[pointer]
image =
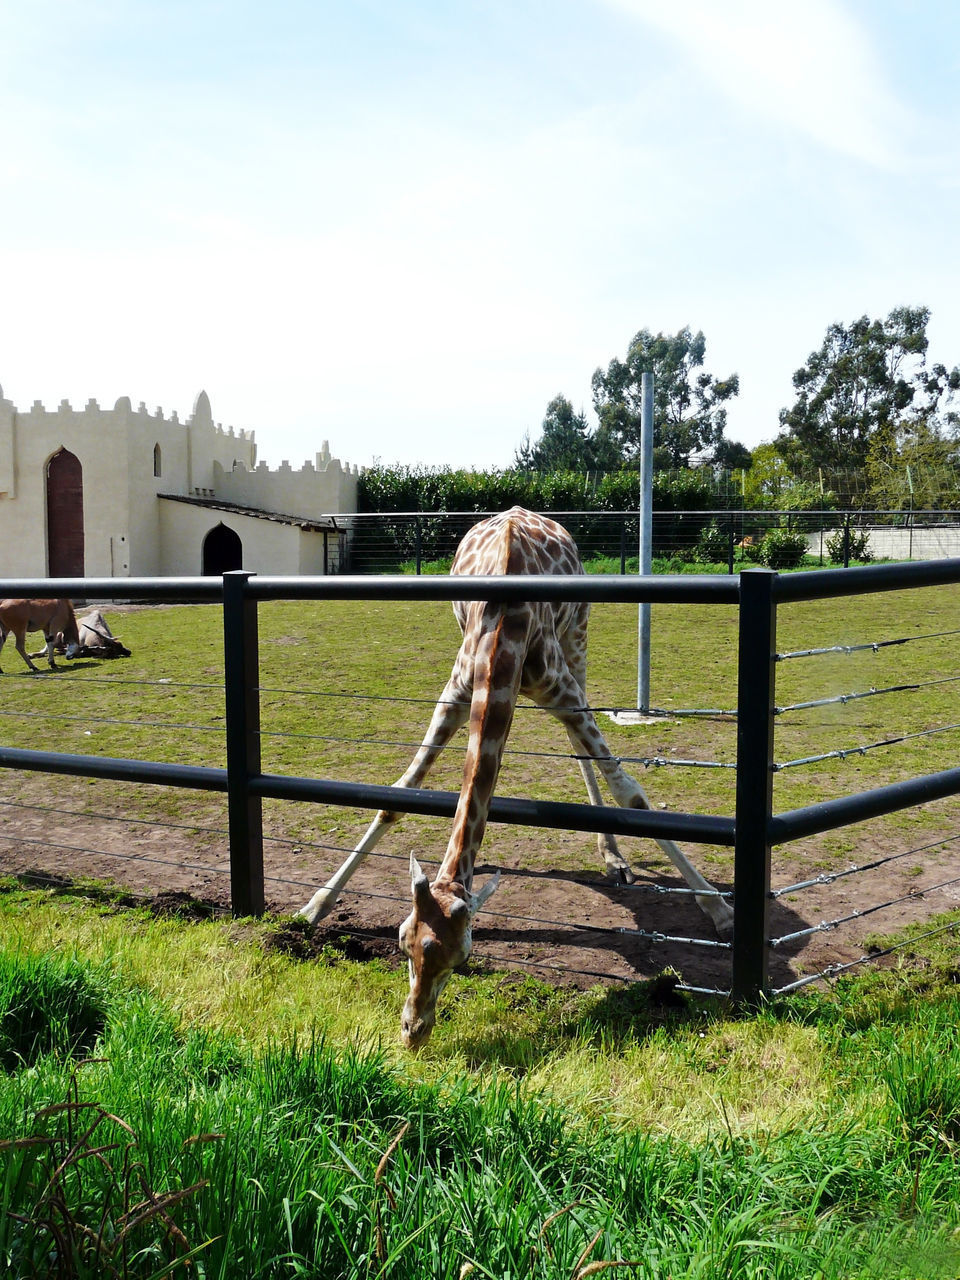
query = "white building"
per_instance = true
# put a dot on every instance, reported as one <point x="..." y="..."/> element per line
<point x="123" y="493"/>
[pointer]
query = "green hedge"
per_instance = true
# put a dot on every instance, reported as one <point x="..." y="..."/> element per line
<point x="451" y="500"/>
<point x="428" y="489"/>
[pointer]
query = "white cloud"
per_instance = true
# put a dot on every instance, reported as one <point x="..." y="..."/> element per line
<point x="803" y="64"/>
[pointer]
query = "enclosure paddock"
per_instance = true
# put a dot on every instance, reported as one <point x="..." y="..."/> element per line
<point x="572" y="927"/>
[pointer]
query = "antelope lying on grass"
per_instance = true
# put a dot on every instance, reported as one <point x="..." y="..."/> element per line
<point x="96" y="638"/>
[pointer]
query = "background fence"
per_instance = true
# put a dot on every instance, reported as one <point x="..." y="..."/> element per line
<point x="752" y="831"/>
<point x="425" y="542"/>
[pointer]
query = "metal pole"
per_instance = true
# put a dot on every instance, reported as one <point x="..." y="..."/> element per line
<point x="646" y="539"/>
<point x="242" y="695"/>
<point x="755" y="706"/>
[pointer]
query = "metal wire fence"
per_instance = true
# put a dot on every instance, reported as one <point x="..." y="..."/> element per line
<point x="424" y="542"/>
<point x="752" y="832"/>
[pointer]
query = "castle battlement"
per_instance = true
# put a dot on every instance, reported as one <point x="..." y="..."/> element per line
<point x="325" y="486"/>
<point x="124" y="406"/>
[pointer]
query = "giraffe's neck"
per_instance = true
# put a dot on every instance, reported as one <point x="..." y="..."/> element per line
<point x="498" y="666"/>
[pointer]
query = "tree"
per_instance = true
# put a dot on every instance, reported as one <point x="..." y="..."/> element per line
<point x="871" y="375"/>
<point x="731" y="455"/>
<point x="565" y="443"/>
<point x="769" y="483"/>
<point x="689" y="416"/>
<point x="912" y="467"/>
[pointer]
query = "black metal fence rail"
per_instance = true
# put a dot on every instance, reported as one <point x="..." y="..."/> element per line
<point x="751" y="832"/>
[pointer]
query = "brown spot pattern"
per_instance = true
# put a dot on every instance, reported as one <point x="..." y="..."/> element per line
<point x="539" y="645"/>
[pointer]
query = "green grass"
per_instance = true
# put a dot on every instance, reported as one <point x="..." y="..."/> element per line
<point x="48" y="1004"/>
<point x="357" y="656"/>
<point x="573" y="1045"/>
<point x="273" y="1152"/>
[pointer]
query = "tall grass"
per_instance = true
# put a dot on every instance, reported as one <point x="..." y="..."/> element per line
<point x="606" y="1052"/>
<point x="298" y="1154"/>
<point x="303" y="1161"/>
<point x="48" y="1005"/>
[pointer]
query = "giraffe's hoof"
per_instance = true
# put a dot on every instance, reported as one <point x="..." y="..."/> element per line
<point x="620" y="873"/>
<point x="724" y="926"/>
<point x="721" y="913"/>
<point x="320" y="905"/>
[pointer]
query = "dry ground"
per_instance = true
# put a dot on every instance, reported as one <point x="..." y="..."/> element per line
<point x="559" y="924"/>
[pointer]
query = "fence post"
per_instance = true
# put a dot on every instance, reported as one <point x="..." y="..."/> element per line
<point x="242" y="704"/>
<point x="646" y="538"/>
<point x="731" y="546"/>
<point x="822" y="522"/>
<point x="419" y="544"/>
<point x="755" y="704"/>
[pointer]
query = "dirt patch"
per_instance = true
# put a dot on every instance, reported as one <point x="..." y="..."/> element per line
<point x="327" y="944"/>
<point x="570" y="927"/>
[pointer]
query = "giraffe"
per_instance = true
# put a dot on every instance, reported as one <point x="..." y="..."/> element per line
<point x="537" y="650"/>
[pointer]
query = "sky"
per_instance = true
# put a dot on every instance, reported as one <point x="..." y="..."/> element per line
<point x="404" y="226"/>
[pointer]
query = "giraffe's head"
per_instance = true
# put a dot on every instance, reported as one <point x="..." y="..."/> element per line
<point x="435" y="937"/>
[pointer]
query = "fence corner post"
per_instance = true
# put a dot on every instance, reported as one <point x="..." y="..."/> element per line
<point x="242" y="710"/>
<point x="755" y="708"/>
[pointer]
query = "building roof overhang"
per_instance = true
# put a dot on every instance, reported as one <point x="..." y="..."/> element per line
<point x="235" y="508"/>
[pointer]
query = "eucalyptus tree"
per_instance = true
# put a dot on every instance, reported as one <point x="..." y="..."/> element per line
<point x="866" y="378"/>
<point x="689" y="404"/>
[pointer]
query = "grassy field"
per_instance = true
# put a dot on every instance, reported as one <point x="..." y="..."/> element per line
<point x="348" y="688"/>
<point x="235" y="1102"/>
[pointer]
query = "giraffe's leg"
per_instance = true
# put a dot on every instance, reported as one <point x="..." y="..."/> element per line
<point x="573" y="646"/>
<point x="565" y="700"/>
<point x="618" y="869"/>
<point x="449" y="714"/>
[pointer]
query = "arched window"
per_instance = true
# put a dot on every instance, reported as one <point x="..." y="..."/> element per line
<point x="157" y="462"/>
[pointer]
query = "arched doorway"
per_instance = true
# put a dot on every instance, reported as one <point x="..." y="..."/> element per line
<point x="64" y="515"/>
<point x="222" y="551"/>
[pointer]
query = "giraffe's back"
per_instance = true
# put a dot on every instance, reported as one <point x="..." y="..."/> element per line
<point x="517" y="541"/>
<point x="524" y="542"/>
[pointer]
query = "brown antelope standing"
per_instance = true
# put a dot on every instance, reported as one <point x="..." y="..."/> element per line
<point x="52" y="617"/>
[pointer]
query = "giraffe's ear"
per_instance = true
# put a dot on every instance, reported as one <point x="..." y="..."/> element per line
<point x="480" y="897"/>
<point x="419" y="884"/>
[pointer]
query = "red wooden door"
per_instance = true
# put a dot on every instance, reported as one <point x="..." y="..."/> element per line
<point x="64" y="516"/>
